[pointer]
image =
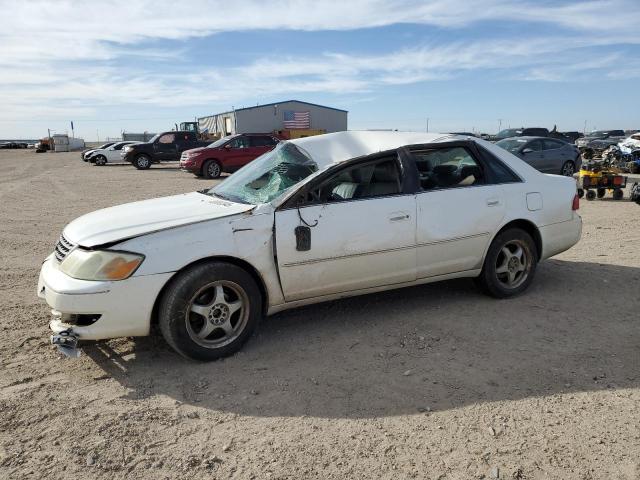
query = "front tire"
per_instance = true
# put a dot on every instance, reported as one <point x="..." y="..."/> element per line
<point x="211" y="169"/>
<point x="142" y="162"/>
<point x="510" y="264"/>
<point x="210" y="310"/>
<point x="100" y="160"/>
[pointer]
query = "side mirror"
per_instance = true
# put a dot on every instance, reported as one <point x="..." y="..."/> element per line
<point x="227" y="146"/>
<point x="527" y="150"/>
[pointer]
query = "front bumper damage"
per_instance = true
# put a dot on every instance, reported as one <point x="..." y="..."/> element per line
<point x="94" y="310"/>
<point x="67" y="343"/>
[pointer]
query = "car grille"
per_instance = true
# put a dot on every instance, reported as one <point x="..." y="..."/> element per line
<point x="63" y="247"/>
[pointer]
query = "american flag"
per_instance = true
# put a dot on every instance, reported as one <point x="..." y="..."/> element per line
<point x="293" y="120"/>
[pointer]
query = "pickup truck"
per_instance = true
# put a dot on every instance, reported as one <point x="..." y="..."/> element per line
<point x="164" y="147"/>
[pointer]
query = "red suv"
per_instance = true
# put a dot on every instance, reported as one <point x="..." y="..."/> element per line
<point x="227" y="154"/>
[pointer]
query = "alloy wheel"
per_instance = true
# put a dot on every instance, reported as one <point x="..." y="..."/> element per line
<point x="513" y="264"/>
<point x="214" y="170"/>
<point x="568" y="169"/>
<point x="217" y="314"/>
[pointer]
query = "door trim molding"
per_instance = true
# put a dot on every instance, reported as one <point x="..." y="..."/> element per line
<point x="454" y="239"/>
<point x="376" y="252"/>
<point x="353" y="255"/>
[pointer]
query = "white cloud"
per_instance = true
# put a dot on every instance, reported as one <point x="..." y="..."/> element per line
<point x="64" y="52"/>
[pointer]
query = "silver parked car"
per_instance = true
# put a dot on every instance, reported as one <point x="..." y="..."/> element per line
<point x="547" y="155"/>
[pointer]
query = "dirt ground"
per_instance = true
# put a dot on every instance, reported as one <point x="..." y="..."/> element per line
<point x="436" y="381"/>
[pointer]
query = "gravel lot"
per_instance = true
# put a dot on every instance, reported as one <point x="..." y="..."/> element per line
<point x="436" y="381"/>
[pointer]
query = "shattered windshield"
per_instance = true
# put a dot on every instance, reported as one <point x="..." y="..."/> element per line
<point x="267" y="177"/>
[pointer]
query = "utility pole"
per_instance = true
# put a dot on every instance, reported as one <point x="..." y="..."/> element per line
<point x="585" y="128"/>
<point x="427" y="124"/>
<point x="499" y="125"/>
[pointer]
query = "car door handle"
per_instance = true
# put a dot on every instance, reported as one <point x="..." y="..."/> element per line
<point x="492" y="202"/>
<point x="398" y="216"/>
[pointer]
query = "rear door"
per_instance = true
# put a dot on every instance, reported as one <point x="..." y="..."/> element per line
<point x="532" y="154"/>
<point x="555" y="154"/>
<point x="259" y="145"/>
<point x="458" y="210"/>
<point x="361" y="232"/>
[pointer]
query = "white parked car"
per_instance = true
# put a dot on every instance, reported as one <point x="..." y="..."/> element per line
<point x="315" y="219"/>
<point x="110" y="154"/>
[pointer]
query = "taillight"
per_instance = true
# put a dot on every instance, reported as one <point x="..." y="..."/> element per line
<point x="576" y="202"/>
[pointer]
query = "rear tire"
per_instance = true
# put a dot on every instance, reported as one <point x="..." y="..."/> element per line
<point x="210" y="310"/>
<point x="568" y="169"/>
<point x="601" y="192"/>
<point x="142" y="162"/>
<point x="510" y="264"/>
<point x="211" y="169"/>
<point x="618" y="194"/>
<point x="590" y="195"/>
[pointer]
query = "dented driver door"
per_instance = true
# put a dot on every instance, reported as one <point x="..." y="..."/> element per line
<point x="354" y="245"/>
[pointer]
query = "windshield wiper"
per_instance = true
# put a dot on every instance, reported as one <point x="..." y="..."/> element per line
<point x="230" y="198"/>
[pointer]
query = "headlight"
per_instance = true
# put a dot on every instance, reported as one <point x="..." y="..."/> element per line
<point x="126" y="149"/>
<point x="100" y="264"/>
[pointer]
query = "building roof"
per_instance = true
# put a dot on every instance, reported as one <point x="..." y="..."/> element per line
<point x="272" y="104"/>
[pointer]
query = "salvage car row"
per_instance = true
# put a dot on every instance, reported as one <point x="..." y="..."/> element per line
<point x="202" y="158"/>
<point x="547" y="151"/>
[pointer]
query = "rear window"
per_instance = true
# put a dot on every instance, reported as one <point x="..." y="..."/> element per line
<point x="536" y="132"/>
<point x="499" y="172"/>
<point x="262" y="141"/>
<point x="447" y="168"/>
<point x="553" y="144"/>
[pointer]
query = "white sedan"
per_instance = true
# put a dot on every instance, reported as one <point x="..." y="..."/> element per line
<point x="315" y="219"/>
<point x="102" y="156"/>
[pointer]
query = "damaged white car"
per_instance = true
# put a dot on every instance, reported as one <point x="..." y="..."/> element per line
<point x="315" y="219"/>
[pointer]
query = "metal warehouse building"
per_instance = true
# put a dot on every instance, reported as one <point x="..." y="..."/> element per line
<point x="290" y="114"/>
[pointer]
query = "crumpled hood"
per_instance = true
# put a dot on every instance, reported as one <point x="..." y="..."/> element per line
<point x="138" y="218"/>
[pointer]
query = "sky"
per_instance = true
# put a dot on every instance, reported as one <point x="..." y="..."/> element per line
<point x="139" y="65"/>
